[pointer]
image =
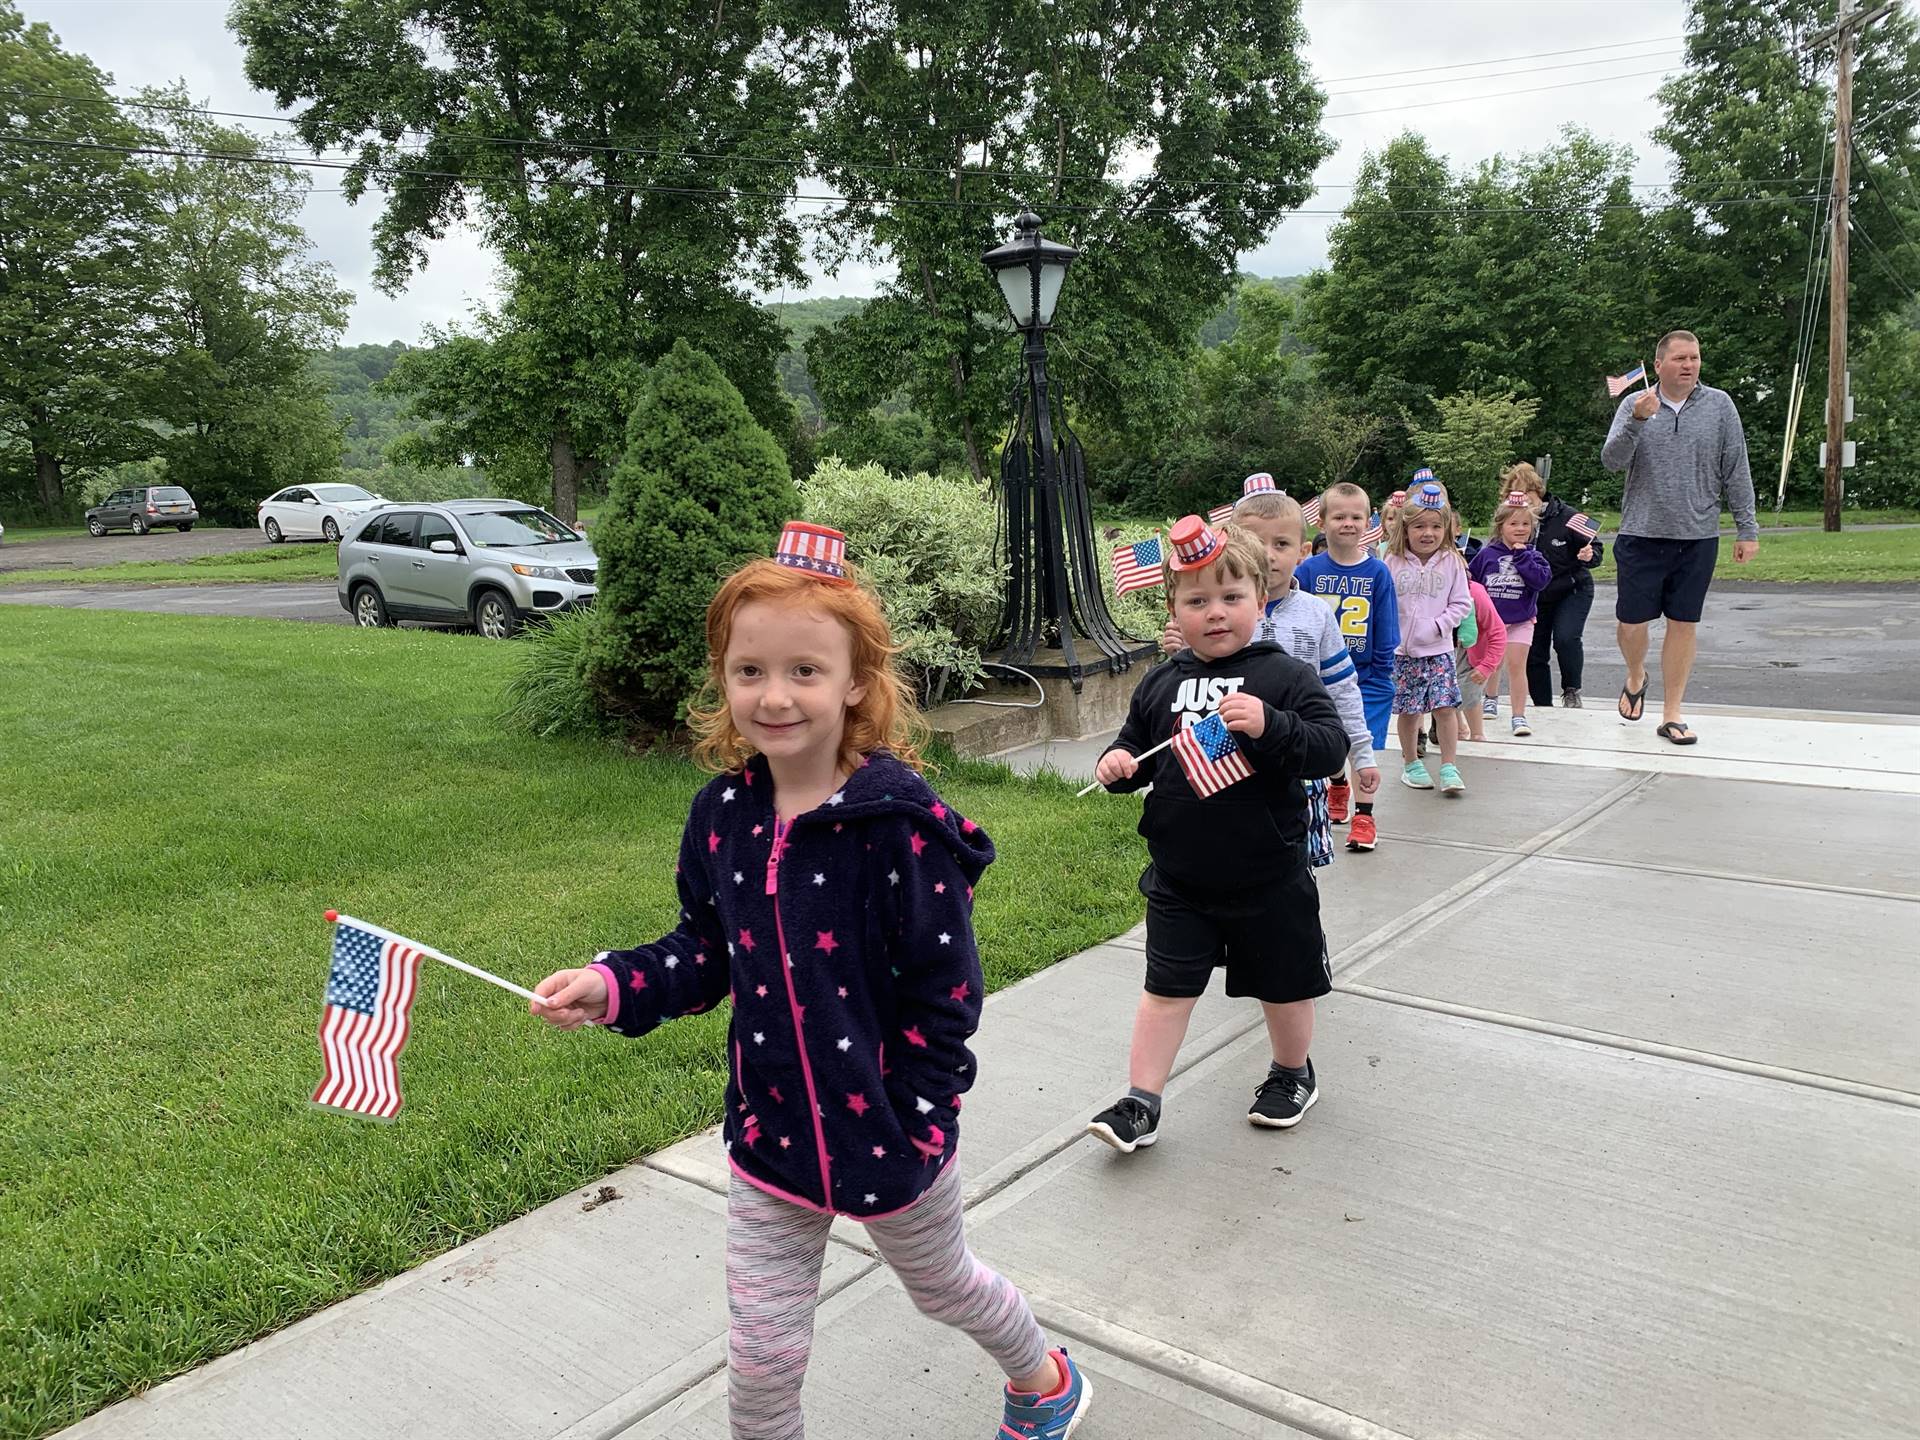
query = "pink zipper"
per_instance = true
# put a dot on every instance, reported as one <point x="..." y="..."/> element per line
<point x="781" y="828"/>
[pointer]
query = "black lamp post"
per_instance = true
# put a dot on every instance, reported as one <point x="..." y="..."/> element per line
<point x="1054" y="597"/>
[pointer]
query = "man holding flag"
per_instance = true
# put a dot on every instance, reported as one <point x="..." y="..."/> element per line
<point x="1682" y="449"/>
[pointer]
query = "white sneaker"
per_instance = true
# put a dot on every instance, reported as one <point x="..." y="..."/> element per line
<point x="1520" y="726"/>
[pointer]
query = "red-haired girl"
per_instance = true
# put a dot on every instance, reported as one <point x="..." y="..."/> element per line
<point x="827" y="890"/>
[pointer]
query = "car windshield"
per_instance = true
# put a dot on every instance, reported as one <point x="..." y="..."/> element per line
<point x="336" y="493"/>
<point x="171" y="492"/>
<point x="516" y="529"/>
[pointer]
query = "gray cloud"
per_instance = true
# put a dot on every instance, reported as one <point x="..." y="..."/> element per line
<point x="140" y="43"/>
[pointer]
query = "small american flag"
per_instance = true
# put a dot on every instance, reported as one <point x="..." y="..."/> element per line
<point x="1220" y="514"/>
<point x="1618" y="385"/>
<point x="363" y="1025"/>
<point x="1310" y="513"/>
<point x="1136" y="565"/>
<point x="1373" y="533"/>
<point x="1581" y="525"/>
<point x="1210" y="756"/>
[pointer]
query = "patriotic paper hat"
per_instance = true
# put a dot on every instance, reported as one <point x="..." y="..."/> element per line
<point x="1258" y="483"/>
<point x="1396" y="500"/>
<point x="1518" y="497"/>
<point x="815" y="549"/>
<point x="1195" y="546"/>
<point x="1430" y="496"/>
<point x="1422" y="475"/>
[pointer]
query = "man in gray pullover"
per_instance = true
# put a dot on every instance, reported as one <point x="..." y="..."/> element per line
<point x="1682" y="448"/>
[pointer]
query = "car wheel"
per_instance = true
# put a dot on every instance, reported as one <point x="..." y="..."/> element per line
<point x="331" y="529"/>
<point x="139" y="524"/>
<point x="272" y="527"/>
<point x="495" y="616"/>
<point x="369" y="610"/>
<point x="95" y="528"/>
<point x="185" y="528"/>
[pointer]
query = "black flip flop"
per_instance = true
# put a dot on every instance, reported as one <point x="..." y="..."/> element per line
<point x="1677" y="731"/>
<point x="1636" y="698"/>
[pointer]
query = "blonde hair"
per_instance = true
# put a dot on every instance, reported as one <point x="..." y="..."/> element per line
<point x="886" y="716"/>
<point x="1506" y="510"/>
<point x="1345" y="490"/>
<point x="1522" y="476"/>
<point x="1409" y="512"/>
<point x="1243" y="555"/>
<point x="1269" y="506"/>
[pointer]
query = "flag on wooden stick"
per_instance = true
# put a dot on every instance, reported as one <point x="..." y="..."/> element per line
<point x="1136" y="565"/>
<point x="1210" y="756"/>
<point x="1618" y="385"/>
<point x="1581" y="525"/>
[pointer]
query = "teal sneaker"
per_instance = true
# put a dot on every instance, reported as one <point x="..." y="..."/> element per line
<point x="1450" y="781"/>
<point x="1415" y="777"/>
<point x="1048" y="1417"/>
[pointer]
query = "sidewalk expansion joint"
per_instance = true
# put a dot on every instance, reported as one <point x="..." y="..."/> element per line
<point x="1695" y="872"/>
<point x="1271" y="1402"/>
<point x="1608" y="1040"/>
<point x="1366" y="952"/>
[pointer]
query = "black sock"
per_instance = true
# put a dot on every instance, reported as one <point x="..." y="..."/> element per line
<point x="1287" y="1072"/>
<point x="1148" y="1098"/>
<point x="1363" y="807"/>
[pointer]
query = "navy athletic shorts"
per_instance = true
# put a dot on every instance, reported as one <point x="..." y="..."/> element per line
<point x="1662" y="577"/>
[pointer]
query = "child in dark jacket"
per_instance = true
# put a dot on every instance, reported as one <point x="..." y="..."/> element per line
<point x="828" y="891"/>
<point x="1514" y="574"/>
<point x="1228" y="883"/>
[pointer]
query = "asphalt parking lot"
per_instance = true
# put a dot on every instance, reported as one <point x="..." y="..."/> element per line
<point x="81" y="549"/>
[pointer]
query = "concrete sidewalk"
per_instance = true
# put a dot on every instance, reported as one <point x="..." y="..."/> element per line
<point x="1619" y="1137"/>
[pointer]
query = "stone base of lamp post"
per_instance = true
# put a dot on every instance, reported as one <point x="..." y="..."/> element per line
<point x="1096" y="708"/>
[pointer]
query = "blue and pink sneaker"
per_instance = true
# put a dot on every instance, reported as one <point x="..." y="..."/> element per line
<point x="1048" y="1417"/>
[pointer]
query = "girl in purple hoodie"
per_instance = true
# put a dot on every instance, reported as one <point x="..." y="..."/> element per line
<point x="1431" y="583"/>
<point x="828" y="892"/>
<point x="1514" y="574"/>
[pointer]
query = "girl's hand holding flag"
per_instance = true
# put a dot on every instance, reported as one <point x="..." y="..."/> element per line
<point x="569" y="999"/>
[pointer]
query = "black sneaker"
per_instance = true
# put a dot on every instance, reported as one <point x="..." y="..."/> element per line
<point x="1127" y="1125"/>
<point x="1281" y="1101"/>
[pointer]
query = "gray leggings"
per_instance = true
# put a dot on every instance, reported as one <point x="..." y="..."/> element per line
<point x="774" y="1253"/>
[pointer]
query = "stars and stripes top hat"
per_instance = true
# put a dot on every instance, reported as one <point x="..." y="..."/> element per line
<point x="1195" y="546"/>
<point x="815" y="549"/>
<point x="1423" y="474"/>
<point x="1518" y="497"/>
<point x="1258" y="483"/>
<point x="1429" y="496"/>
<point x="1395" y="500"/>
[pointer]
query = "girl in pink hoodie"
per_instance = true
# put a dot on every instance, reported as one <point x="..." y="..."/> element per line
<point x="1479" y="662"/>
<point x="1430" y="580"/>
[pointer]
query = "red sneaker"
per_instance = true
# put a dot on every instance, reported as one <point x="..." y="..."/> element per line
<point x="1362" y="836"/>
<point x="1339" y="801"/>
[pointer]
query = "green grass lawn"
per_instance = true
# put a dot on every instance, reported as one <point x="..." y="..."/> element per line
<point x="184" y="796"/>
<point x="1852" y="556"/>
<point x="1792" y="519"/>
<point x="301" y="562"/>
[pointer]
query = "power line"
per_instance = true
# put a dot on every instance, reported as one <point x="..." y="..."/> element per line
<point x="1507" y="59"/>
<point x="1499" y="95"/>
<point x="1880" y="259"/>
<point x="383" y="174"/>
<point x="1506" y="74"/>
<point x="1885" y="204"/>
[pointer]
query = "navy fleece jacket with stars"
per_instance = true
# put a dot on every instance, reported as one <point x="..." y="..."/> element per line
<point x="848" y="1059"/>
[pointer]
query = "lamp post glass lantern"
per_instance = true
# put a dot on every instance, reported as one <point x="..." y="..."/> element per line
<point x="1054" y="599"/>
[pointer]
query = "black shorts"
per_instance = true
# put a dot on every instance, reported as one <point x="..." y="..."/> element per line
<point x="1662" y="577"/>
<point x="1269" y="940"/>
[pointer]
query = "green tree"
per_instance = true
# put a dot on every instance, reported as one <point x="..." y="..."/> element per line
<point x="1473" y="438"/>
<point x="627" y="163"/>
<point x="1886" y="389"/>
<point x="702" y="489"/>
<point x="75" y="220"/>
<point x="238" y="309"/>
<point x="1053" y="102"/>
<point x="1749" y="117"/>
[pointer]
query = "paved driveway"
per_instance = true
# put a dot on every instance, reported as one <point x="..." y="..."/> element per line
<point x="81" y="549"/>
<point x="272" y="602"/>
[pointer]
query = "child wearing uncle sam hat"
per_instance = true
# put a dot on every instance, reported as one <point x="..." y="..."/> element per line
<point x="1227" y="883"/>
<point x="828" y="891"/>
<point x="1430" y="586"/>
<point x="1514" y="573"/>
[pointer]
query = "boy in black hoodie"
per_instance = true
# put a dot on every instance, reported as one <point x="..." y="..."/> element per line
<point x="1228" y="883"/>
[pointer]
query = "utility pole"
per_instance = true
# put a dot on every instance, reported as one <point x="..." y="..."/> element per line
<point x="1848" y="24"/>
<point x="1837" y="282"/>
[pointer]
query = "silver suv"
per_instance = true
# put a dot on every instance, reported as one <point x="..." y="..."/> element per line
<point x="485" y="563"/>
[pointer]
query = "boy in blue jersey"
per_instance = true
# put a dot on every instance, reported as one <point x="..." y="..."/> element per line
<point x="1360" y="589"/>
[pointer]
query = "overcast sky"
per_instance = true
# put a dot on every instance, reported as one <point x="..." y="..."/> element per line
<point x="1406" y="61"/>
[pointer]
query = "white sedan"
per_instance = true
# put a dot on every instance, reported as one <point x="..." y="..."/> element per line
<point x="315" y="512"/>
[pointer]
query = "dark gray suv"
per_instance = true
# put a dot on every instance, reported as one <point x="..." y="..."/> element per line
<point x="485" y="563"/>
<point x="143" y="508"/>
